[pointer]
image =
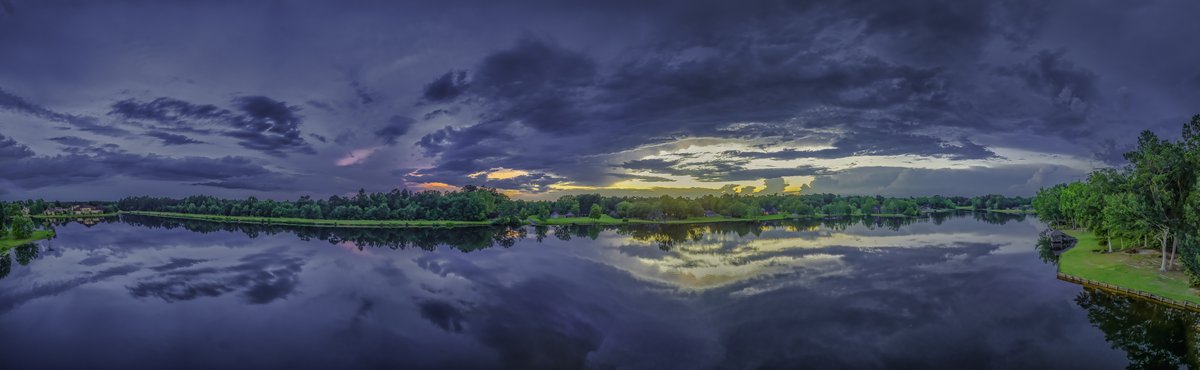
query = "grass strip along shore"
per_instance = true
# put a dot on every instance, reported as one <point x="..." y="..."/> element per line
<point x="1139" y="271"/>
<point x="7" y="242"/>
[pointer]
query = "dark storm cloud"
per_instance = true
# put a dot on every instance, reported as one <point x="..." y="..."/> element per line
<point x="883" y="143"/>
<point x="1068" y="92"/>
<point x="396" y="127"/>
<point x="260" y="182"/>
<point x="72" y="141"/>
<point x="448" y="86"/>
<point x="692" y="86"/>
<point x="259" y="123"/>
<point x="718" y="170"/>
<point x="14" y="103"/>
<point x="1022" y="180"/>
<point x="172" y="139"/>
<point x="554" y="88"/>
<point x="27" y="171"/>
<point x="364" y="96"/>
<point x="12" y="150"/>
<point x="268" y="125"/>
<point x="895" y="78"/>
<point x="168" y="111"/>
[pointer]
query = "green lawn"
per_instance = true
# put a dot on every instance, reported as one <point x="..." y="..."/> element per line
<point x="1138" y="271"/>
<point x="7" y="242"/>
<point x="312" y="222"/>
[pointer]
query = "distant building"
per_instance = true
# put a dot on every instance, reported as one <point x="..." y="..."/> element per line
<point x="74" y="210"/>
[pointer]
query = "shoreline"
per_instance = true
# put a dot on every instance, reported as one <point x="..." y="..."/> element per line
<point x="92" y="215"/>
<point x="577" y="221"/>
<point x="1136" y="274"/>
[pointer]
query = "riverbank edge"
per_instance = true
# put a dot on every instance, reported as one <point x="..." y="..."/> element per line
<point x="6" y="243"/>
<point x="91" y="215"/>
<point x="573" y="221"/>
<point x="1147" y="284"/>
<point x="1139" y="294"/>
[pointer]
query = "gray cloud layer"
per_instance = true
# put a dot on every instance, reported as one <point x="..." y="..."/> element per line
<point x="553" y="88"/>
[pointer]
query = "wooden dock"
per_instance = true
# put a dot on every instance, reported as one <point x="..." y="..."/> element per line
<point x="1173" y="303"/>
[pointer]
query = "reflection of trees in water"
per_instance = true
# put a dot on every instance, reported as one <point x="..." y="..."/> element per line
<point x="1153" y="336"/>
<point x="462" y="238"/>
<point x="5" y="265"/>
<point x="997" y="218"/>
<point x="1046" y="251"/>
<point x="26" y="253"/>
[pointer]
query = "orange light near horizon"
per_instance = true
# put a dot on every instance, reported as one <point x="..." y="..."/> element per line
<point x="506" y="173"/>
<point x="439" y="186"/>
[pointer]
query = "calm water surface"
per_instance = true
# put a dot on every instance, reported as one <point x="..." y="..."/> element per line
<point x="958" y="292"/>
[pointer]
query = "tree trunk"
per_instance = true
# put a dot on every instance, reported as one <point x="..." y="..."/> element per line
<point x="1174" y="248"/>
<point x="1109" y="245"/>
<point x="1163" y="266"/>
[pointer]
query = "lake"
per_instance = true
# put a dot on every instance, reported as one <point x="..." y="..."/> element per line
<point x="959" y="291"/>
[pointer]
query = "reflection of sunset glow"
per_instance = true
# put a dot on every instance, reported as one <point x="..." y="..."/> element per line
<point x="353" y="248"/>
<point x="708" y="260"/>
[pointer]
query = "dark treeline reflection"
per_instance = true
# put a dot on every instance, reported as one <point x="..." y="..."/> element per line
<point x="467" y="239"/>
<point x="1153" y="336"/>
<point x="474" y="238"/>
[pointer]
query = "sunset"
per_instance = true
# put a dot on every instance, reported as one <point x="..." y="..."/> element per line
<point x="570" y="184"/>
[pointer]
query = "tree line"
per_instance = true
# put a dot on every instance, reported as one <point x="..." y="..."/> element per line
<point x="1154" y="199"/>
<point x="473" y="203"/>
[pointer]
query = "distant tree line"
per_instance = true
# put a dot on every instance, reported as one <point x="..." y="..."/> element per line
<point x="473" y="203"/>
<point x="1155" y="199"/>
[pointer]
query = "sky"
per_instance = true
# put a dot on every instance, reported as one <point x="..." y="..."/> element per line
<point x="277" y="99"/>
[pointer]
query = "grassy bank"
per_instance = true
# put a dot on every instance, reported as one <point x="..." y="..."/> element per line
<point x="94" y="215"/>
<point x="7" y="242"/>
<point x="1133" y="271"/>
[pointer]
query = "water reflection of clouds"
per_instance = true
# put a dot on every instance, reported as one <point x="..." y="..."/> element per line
<point x="764" y="298"/>
<point x="258" y="278"/>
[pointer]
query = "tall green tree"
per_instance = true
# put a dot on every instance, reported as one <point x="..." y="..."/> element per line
<point x="1164" y="180"/>
<point x="22" y="227"/>
<point x="596" y="212"/>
